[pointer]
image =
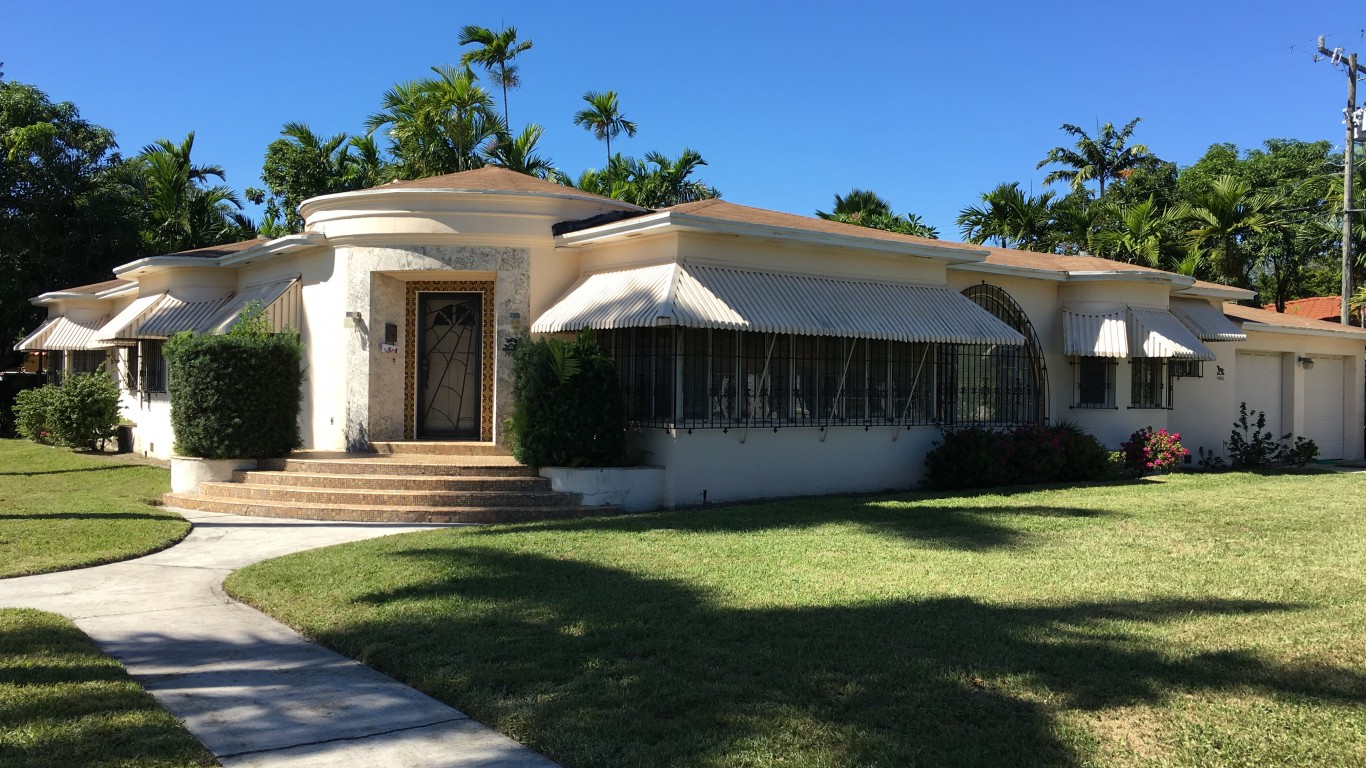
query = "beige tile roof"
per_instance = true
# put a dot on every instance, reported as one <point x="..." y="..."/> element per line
<point x="94" y="288"/>
<point x="1252" y="314"/>
<point x="722" y="210"/>
<point x="214" y="251"/>
<point x="493" y="179"/>
<point x="1052" y="262"/>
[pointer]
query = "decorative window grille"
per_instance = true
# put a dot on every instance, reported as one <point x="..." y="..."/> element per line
<point x="1185" y="369"/>
<point x="1148" y="383"/>
<point x="1095" y="382"/>
<point x="153" y="368"/>
<point x="997" y="384"/>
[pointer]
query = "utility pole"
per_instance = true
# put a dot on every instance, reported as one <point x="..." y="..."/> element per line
<point x="1336" y="56"/>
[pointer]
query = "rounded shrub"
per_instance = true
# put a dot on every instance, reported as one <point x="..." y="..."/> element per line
<point x="32" y="412"/>
<point x="85" y="411"/>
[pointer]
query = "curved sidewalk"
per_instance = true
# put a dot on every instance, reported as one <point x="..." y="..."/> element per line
<point x="253" y="691"/>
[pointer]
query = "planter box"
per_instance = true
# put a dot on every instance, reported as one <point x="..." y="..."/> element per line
<point x="634" y="489"/>
<point x="188" y="472"/>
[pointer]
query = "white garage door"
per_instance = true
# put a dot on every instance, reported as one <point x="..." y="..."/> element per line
<point x="1259" y="385"/>
<point x="1323" y="422"/>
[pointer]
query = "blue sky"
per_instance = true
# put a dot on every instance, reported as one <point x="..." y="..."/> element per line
<point x="927" y="104"/>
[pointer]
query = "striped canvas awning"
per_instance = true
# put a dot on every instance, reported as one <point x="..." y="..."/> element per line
<point x="695" y="296"/>
<point x="68" y="334"/>
<point x="34" y="341"/>
<point x="1094" y="334"/>
<point x="125" y="323"/>
<point x="1157" y="333"/>
<point x="1207" y="321"/>
<point x="171" y="316"/>
<point x="270" y="295"/>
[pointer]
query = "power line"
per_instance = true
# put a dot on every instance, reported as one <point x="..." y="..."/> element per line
<point x="1337" y="56"/>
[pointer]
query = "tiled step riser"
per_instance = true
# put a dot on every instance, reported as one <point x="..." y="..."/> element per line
<point x="385" y="468"/>
<point x="323" y="496"/>
<point x="395" y="482"/>
<point x="423" y="448"/>
<point x="490" y="515"/>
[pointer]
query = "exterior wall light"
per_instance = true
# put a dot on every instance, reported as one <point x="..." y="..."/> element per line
<point x="1307" y="362"/>
<point x="352" y="318"/>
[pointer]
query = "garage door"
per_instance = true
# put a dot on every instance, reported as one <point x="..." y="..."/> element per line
<point x="1323" y="422"/>
<point x="1259" y="385"/>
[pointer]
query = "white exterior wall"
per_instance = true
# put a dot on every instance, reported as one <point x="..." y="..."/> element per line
<point x="792" y="461"/>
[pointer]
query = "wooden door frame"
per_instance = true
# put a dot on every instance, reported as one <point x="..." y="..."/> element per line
<point x="486" y="362"/>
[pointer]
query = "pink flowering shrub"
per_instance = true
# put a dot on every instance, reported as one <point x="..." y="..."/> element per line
<point x="1149" y="451"/>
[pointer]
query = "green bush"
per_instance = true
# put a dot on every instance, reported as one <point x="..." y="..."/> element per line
<point x="237" y="395"/>
<point x="981" y="458"/>
<point x="32" y="409"/>
<point x="1250" y="446"/>
<point x="82" y="413"/>
<point x="568" y="405"/>
<point x="11" y="384"/>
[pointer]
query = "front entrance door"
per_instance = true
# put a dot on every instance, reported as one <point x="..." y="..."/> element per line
<point x="450" y="336"/>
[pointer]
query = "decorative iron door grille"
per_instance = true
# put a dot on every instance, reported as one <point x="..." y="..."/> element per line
<point x="450" y="332"/>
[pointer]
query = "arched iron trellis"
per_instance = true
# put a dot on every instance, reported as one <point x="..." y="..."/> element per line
<point x="1012" y="382"/>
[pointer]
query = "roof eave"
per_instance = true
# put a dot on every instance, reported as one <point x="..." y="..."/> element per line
<point x="1103" y="275"/>
<point x="1223" y="292"/>
<point x="662" y="221"/>
<point x="322" y="201"/>
<point x="1253" y="325"/>
<point x="270" y="249"/>
<point x="1004" y="269"/>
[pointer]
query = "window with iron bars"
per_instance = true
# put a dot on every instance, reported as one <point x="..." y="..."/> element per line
<point x="1148" y="383"/>
<point x="153" y="367"/>
<point x="700" y="379"/>
<point x="1095" y="382"/>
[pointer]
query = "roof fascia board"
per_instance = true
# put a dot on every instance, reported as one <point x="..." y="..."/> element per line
<point x="1223" y="292"/>
<point x="1252" y="325"/>
<point x="1130" y="276"/>
<point x="273" y="248"/>
<point x="672" y="220"/>
<point x="322" y="202"/>
<point x="1009" y="271"/>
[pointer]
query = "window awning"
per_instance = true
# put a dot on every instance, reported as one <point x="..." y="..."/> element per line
<point x="1131" y="333"/>
<point x="1094" y="334"/>
<point x="34" y="341"/>
<point x="171" y="316"/>
<point x="1206" y="320"/>
<point x="67" y="334"/>
<point x="269" y="294"/>
<point x="1157" y="333"/>
<point x="125" y="323"/>
<point x="695" y="296"/>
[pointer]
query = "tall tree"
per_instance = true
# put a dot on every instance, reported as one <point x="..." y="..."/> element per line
<point x="67" y="215"/>
<point x="866" y="208"/>
<point x="1139" y="234"/>
<point x="495" y="53"/>
<point x="519" y="153"/>
<point x="1104" y="157"/>
<point x="302" y="164"/>
<point x="438" y="124"/>
<point x="183" y="209"/>
<point x="655" y="182"/>
<point x="603" y="117"/>
<point x="1222" y="218"/>
<point x="1010" y="217"/>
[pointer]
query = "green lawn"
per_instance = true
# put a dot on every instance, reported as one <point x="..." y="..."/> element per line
<point x="64" y="703"/>
<point x="1192" y="620"/>
<point x="61" y="510"/>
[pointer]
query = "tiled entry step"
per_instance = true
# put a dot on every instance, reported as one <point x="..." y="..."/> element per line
<point x="394" y="486"/>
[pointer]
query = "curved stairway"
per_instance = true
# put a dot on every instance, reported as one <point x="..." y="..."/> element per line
<point x="408" y="482"/>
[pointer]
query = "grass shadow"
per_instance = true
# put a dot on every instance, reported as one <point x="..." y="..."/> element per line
<point x="111" y="468"/>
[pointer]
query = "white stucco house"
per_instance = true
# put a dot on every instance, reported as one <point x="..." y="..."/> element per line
<point x="762" y="353"/>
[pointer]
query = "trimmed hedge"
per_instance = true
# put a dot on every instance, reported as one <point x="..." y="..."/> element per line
<point x="569" y="408"/>
<point x="982" y="458"/>
<point x="237" y="395"/>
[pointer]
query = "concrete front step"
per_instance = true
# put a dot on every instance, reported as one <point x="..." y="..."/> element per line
<point x="474" y="466"/>
<point x="518" y="484"/>
<point x="380" y="514"/>
<point x="436" y="448"/>
<point x="303" y="497"/>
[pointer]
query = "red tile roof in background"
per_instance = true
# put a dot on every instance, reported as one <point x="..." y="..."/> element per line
<point x="1315" y="308"/>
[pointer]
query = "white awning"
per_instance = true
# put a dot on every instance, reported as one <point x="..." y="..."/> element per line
<point x="125" y="323"/>
<point x="1094" y="334"/>
<point x="270" y="295"/>
<point x="694" y="296"/>
<point x="171" y="316"/>
<point x="1207" y="321"/>
<point x="35" y="340"/>
<point x="67" y="334"/>
<point x="1157" y="333"/>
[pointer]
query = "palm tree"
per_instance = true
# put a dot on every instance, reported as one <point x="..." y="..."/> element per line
<point x="603" y="117"/>
<point x="519" y="153"/>
<point x="857" y="204"/>
<point x="1222" y="217"/>
<point x="1010" y="217"/>
<point x="182" y="210"/>
<point x="1138" y="234"/>
<point x="495" y="54"/>
<point x="1101" y="158"/>
<point x="437" y="125"/>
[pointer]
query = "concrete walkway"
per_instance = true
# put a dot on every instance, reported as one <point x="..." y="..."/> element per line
<point x="251" y="690"/>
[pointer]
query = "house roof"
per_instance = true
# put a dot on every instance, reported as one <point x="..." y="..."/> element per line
<point x="214" y="251"/>
<point x="721" y="210"/>
<point x="1053" y="262"/>
<point x="95" y="288"/>
<point x="1315" y="308"/>
<point x="492" y="179"/>
<point x="1289" y="321"/>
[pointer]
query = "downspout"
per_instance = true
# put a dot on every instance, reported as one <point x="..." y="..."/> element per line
<point x="769" y="357"/>
<point x="835" y="403"/>
<point x="911" y="395"/>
